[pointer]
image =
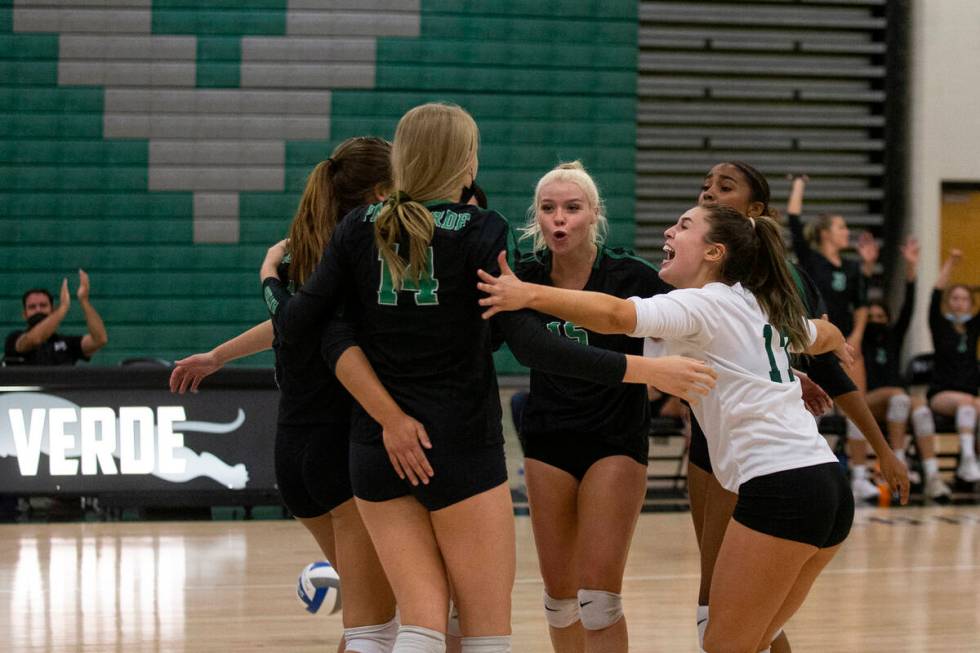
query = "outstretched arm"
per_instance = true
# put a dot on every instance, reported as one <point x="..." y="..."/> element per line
<point x="594" y="311"/>
<point x="828" y="338"/>
<point x="947" y="270"/>
<point x="96" y="338"/>
<point x="794" y="209"/>
<point x="37" y="336"/>
<point x="189" y="372"/>
<point x="854" y="405"/>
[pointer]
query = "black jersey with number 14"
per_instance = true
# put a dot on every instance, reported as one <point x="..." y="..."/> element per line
<point x="427" y="340"/>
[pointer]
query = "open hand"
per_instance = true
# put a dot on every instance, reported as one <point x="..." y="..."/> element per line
<point x="910" y="251"/>
<point x="403" y="441"/>
<point x="83" y="285"/>
<point x="683" y="377"/>
<point x="189" y="372"/>
<point x="506" y="292"/>
<point x="867" y="248"/>
<point x="64" y="297"/>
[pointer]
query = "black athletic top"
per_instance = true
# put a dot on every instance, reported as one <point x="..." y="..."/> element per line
<point x="427" y="342"/>
<point x="955" y="362"/>
<point x="559" y="405"/>
<point x="56" y="350"/>
<point x="882" y="346"/>
<point x="309" y="393"/>
<point x="825" y="370"/>
<point x="843" y="287"/>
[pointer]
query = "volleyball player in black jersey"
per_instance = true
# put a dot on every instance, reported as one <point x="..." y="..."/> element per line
<point x="408" y="269"/>
<point x="311" y="446"/>
<point x="585" y="444"/>
<point x="843" y="285"/>
<point x="955" y="383"/>
<point x="742" y="187"/>
<point x="887" y="396"/>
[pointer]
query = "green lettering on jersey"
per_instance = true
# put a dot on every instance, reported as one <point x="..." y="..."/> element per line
<point x="450" y="220"/>
<point x="838" y="281"/>
<point x="572" y="332"/>
<point x="425" y="290"/>
<point x="767" y="337"/>
<point x="881" y="356"/>
<point x="371" y="215"/>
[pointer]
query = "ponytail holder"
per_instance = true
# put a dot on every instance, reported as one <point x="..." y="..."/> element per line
<point x="752" y="220"/>
<point x="400" y="197"/>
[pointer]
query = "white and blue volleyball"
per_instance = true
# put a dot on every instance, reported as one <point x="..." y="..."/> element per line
<point x="318" y="587"/>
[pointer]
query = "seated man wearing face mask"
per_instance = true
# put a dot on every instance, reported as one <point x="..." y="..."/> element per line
<point x="39" y="344"/>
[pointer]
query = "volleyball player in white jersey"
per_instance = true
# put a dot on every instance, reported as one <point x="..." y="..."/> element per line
<point x="738" y="307"/>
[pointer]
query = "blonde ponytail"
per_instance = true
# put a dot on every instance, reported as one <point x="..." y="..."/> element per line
<point x="433" y="157"/>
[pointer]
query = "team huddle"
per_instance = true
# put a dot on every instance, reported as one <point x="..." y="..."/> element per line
<point x="386" y="302"/>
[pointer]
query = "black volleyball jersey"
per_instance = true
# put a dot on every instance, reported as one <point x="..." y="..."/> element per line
<point x="882" y="345"/>
<point x="825" y="369"/>
<point x="427" y="341"/>
<point x="955" y="362"/>
<point x="843" y="288"/>
<point x="309" y="393"/>
<point x="562" y="405"/>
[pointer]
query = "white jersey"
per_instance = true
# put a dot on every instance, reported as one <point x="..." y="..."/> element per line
<point x="754" y="418"/>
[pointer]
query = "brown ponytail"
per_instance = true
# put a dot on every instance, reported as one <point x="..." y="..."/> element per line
<point x="756" y="258"/>
<point x="358" y="168"/>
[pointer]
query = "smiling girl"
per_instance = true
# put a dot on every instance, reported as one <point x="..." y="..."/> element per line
<point x="736" y="305"/>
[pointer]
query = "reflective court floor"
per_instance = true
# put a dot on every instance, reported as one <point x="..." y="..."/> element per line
<point x="906" y="580"/>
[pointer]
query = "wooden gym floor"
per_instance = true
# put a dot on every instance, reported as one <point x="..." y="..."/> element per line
<point x="906" y="580"/>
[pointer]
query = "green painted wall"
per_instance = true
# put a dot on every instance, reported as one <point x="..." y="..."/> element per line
<point x="543" y="87"/>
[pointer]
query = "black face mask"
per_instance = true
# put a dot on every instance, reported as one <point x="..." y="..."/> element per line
<point x="35" y="319"/>
<point x="874" y="331"/>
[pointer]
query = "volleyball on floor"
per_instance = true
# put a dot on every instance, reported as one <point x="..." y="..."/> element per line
<point x="318" y="587"/>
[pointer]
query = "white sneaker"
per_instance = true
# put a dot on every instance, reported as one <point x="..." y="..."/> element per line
<point x="936" y="488"/>
<point x="864" y="490"/>
<point x="969" y="470"/>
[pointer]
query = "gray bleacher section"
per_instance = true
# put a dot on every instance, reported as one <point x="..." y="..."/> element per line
<point x="788" y="86"/>
<point x="217" y="142"/>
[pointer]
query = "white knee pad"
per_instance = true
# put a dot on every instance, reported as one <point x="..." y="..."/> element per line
<point x="598" y="609"/>
<point x="923" y="423"/>
<point x="416" y="639"/>
<point x="966" y="419"/>
<point x="702" y="624"/>
<point x="379" y="638"/>
<point x="853" y="432"/>
<point x="452" y="624"/>
<point x="495" y="644"/>
<point x="899" y="407"/>
<point x="560" y="613"/>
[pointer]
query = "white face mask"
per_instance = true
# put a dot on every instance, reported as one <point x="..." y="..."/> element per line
<point x="959" y="318"/>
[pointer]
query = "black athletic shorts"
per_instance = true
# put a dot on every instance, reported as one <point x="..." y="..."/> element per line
<point x="813" y="505"/>
<point x="697" y="451"/>
<point x="936" y="389"/>
<point x="457" y="475"/>
<point x="311" y="467"/>
<point x="576" y="454"/>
